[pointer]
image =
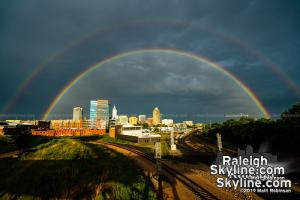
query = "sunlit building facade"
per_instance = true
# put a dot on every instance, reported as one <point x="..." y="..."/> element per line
<point x="188" y="123"/>
<point x="156" y="116"/>
<point x="133" y="120"/>
<point x="77" y="113"/>
<point x="68" y="124"/>
<point x="167" y="122"/>
<point x="93" y="110"/>
<point x="149" y="121"/>
<point x="103" y="109"/>
<point x="99" y="113"/>
<point x="122" y="119"/>
<point x="142" y="119"/>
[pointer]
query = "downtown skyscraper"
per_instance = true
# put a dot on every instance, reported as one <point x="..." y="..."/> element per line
<point x="77" y="113"/>
<point x="99" y="112"/>
<point x="156" y="116"/>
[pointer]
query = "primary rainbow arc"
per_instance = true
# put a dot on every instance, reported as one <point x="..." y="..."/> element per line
<point x="216" y="66"/>
<point x="274" y="68"/>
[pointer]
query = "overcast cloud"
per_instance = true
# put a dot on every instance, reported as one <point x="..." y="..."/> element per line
<point x="76" y="34"/>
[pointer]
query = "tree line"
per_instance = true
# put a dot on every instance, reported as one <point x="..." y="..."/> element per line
<point x="282" y="135"/>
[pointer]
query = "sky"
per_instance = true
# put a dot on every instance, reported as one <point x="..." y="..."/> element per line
<point x="258" y="41"/>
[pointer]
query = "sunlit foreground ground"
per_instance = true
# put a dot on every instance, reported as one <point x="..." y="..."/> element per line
<point x="70" y="169"/>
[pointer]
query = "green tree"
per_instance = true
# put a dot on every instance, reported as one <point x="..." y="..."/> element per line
<point x="283" y="134"/>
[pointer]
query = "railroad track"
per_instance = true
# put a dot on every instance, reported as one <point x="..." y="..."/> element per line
<point x="182" y="142"/>
<point x="190" y="184"/>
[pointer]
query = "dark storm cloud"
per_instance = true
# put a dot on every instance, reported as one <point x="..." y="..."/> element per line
<point x="32" y="30"/>
<point x="177" y="84"/>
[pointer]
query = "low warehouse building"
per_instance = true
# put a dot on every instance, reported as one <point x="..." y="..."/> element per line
<point x="136" y="134"/>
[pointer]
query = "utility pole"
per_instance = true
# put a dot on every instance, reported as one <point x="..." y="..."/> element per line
<point x="219" y="141"/>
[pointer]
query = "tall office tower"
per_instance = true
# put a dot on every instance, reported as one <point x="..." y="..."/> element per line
<point x="114" y="115"/>
<point x="99" y="113"/>
<point x="156" y="116"/>
<point x="103" y="110"/>
<point x="93" y="110"/>
<point x="93" y="114"/>
<point x="142" y="119"/>
<point x="77" y="113"/>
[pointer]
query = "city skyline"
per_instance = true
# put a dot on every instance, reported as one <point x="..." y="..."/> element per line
<point x="197" y="117"/>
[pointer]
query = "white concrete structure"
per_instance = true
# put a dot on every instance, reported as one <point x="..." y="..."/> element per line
<point x="114" y="114"/>
<point x="77" y="113"/>
<point x="146" y="131"/>
<point x="131" y="130"/>
<point x="137" y="131"/>
<point x="172" y="137"/>
<point x="142" y="119"/>
<point x="173" y="145"/>
<point x="167" y="122"/>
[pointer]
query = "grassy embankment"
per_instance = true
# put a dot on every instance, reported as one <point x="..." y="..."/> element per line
<point x="10" y="143"/>
<point x="69" y="168"/>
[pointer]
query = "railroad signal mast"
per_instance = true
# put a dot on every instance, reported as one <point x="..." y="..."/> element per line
<point x="219" y="141"/>
<point x="158" y="167"/>
<point x="158" y="156"/>
<point x="173" y="145"/>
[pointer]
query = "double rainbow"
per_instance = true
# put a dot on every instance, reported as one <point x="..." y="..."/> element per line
<point x="38" y="69"/>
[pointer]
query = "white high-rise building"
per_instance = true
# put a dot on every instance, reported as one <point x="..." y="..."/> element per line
<point x="77" y="113"/>
<point x="142" y="119"/>
<point x="114" y="113"/>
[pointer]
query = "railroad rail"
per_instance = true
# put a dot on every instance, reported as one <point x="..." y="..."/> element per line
<point x="182" y="142"/>
<point x="190" y="184"/>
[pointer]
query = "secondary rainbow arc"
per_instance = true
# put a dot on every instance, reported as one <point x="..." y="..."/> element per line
<point x="275" y="69"/>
